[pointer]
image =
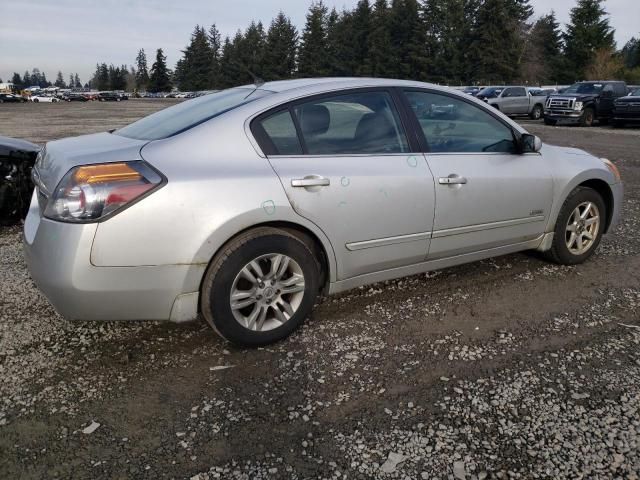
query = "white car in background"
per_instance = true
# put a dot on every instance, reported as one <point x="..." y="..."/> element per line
<point x="43" y="98"/>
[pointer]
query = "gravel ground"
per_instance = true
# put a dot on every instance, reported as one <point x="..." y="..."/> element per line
<point x="505" y="368"/>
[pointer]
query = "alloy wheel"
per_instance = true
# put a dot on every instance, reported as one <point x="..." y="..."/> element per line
<point x="267" y="292"/>
<point x="582" y="228"/>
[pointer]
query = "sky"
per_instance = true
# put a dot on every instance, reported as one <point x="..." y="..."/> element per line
<point x="72" y="35"/>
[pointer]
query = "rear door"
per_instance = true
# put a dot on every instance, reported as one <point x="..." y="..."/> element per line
<point x="347" y="165"/>
<point x="487" y="195"/>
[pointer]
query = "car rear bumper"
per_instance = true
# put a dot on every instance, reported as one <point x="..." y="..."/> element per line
<point x="58" y="258"/>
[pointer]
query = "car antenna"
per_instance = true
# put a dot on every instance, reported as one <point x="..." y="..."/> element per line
<point x="257" y="81"/>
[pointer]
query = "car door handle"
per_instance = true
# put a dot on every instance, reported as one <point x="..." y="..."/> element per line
<point x="452" y="179"/>
<point x="310" y="181"/>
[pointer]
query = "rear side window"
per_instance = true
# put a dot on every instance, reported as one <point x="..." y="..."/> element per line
<point x="356" y="123"/>
<point x="280" y="131"/>
<point x="451" y="125"/>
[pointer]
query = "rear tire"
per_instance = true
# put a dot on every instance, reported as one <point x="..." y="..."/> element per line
<point x="573" y="231"/>
<point x="536" y="113"/>
<point x="286" y="297"/>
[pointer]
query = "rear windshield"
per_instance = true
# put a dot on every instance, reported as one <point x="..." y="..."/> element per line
<point x="186" y="115"/>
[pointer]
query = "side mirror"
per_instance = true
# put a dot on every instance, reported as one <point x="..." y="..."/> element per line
<point x="530" y="143"/>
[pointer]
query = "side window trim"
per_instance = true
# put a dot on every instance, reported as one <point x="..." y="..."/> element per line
<point x="420" y="132"/>
<point x="396" y="97"/>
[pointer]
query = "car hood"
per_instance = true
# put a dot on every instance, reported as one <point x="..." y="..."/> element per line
<point x="60" y="156"/>
<point x="632" y="99"/>
<point x="578" y="96"/>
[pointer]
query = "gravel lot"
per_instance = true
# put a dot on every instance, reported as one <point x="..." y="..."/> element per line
<point x="505" y="368"/>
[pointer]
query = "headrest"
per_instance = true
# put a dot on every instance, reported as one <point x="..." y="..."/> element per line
<point x="374" y="126"/>
<point x="314" y="119"/>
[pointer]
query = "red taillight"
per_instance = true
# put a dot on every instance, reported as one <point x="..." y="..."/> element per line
<point x="91" y="192"/>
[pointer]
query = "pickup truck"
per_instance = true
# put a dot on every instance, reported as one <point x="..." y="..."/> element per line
<point x="514" y="100"/>
<point x="583" y="103"/>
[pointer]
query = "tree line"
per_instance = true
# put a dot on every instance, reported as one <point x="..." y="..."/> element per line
<point x="456" y="42"/>
<point x="39" y="79"/>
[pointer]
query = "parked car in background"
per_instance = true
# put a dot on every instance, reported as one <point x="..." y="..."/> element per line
<point x="471" y="90"/>
<point x="489" y="92"/>
<point x="246" y="204"/>
<point x="627" y="109"/>
<point x="584" y="103"/>
<point x="39" y="98"/>
<point x="517" y="100"/>
<point x="75" y="97"/>
<point x="109" y="97"/>
<point x="16" y="188"/>
<point x="11" y="98"/>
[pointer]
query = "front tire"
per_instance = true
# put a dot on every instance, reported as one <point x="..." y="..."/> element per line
<point x="579" y="227"/>
<point x="587" y="117"/>
<point x="260" y="287"/>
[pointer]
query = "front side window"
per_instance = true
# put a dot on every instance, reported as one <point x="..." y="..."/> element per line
<point x="451" y="125"/>
<point x="186" y="115"/>
<point x="355" y="123"/>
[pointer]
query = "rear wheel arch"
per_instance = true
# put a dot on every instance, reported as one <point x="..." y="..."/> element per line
<point x="313" y="242"/>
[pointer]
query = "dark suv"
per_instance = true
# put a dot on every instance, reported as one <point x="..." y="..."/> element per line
<point x="583" y="103"/>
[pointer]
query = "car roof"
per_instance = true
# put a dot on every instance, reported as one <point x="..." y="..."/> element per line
<point x="280" y="86"/>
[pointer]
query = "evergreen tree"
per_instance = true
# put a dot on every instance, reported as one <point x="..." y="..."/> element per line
<point x="340" y="58"/>
<point x="17" y="81"/>
<point x="251" y="51"/>
<point x="193" y="71"/>
<point x="494" y="49"/>
<point x="545" y="52"/>
<point x="312" y="57"/>
<point x="449" y="27"/>
<point x="60" y="81"/>
<point x="142" y="72"/>
<point x="26" y="79"/>
<point x="159" y="80"/>
<point x="361" y="19"/>
<point x="587" y="32"/>
<point x="408" y="38"/>
<point x="72" y="83"/>
<point x="380" y="61"/>
<point x="101" y="79"/>
<point x="280" y="49"/>
<point x="231" y="74"/>
<point x="76" y="81"/>
<point x="631" y="53"/>
<point x="215" y="47"/>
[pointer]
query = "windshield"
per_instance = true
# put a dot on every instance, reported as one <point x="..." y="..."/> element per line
<point x="584" y="88"/>
<point x="186" y="115"/>
<point x="635" y="93"/>
<point x="490" y="92"/>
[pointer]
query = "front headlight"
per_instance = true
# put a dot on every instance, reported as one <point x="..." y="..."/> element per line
<point x="91" y="192"/>
<point x="577" y="106"/>
<point x="612" y="168"/>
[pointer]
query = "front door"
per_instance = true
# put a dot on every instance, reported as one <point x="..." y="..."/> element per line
<point x="487" y="195"/>
<point x="346" y="165"/>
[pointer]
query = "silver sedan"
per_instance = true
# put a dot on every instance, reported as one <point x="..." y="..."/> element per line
<point x="245" y="205"/>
